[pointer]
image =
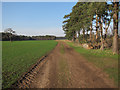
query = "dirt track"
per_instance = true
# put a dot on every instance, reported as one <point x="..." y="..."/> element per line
<point x="65" y="68"/>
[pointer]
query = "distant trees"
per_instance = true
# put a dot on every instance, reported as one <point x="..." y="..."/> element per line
<point x="89" y="22"/>
<point x="47" y="37"/>
<point x="10" y="33"/>
<point x="6" y="36"/>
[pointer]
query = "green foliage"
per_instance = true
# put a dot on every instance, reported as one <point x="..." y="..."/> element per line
<point x="83" y="17"/>
<point x="18" y="56"/>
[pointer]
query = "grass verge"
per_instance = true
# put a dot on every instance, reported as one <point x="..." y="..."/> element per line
<point x="62" y="49"/>
<point x="64" y="75"/>
<point x="102" y="59"/>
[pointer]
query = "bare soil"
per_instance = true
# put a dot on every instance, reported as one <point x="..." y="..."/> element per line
<point x="65" y="68"/>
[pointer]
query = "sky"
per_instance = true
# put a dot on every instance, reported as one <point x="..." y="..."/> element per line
<point x="35" y="18"/>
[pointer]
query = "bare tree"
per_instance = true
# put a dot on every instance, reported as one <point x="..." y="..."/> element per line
<point x="10" y="33"/>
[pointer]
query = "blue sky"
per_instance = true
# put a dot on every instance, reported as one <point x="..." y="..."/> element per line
<point x="35" y="18"/>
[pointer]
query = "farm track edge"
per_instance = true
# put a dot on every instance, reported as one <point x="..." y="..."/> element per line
<point x="26" y="78"/>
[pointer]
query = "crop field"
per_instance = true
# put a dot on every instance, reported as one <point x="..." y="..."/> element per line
<point x="18" y="56"/>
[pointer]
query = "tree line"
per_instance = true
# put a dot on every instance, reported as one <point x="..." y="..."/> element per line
<point x="5" y="37"/>
<point x="90" y="22"/>
<point x="10" y="35"/>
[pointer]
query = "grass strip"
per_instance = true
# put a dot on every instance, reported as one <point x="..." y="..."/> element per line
<point x="102" y="59"/>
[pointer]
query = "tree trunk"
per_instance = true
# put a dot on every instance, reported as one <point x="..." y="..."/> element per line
<point x="79" y="36"/>
<point x="96" y="26"/>
<point x="87" y="32"/>
<point x="87" y="35"/>
<point x="101" y="32"/>
<point x="115" y="27"/>
<point x="10" y="38"/>
<point x="73" y="36"/>
<point x="105" y="30"/>
<point x="91" y="32"/>
<point x="107" y="26"/>
<point x="83" y="35"/>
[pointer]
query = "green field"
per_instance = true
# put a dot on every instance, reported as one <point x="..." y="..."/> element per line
<point x="102" y="59"/>
<point x="18" y="56"/>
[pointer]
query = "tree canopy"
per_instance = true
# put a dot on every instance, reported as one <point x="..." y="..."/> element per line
<point x="89" y="22"/>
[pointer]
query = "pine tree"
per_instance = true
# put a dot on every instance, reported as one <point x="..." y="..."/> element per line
<point x="115" y="27"/>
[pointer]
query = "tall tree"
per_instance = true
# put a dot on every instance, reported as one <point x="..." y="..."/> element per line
<point x="115" y="27"/>
<point x="11" y="32"/>
<point x="87" y="14"/>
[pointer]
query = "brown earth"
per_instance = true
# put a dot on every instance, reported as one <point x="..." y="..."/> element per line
<point x="65" y="68"/>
